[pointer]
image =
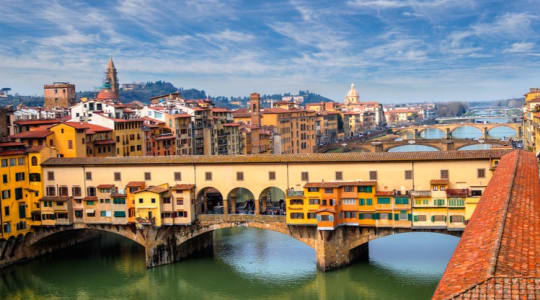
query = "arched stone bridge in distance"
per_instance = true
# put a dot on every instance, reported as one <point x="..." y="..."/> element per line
<point x="168" y="244"/>
<point x="448" y="129"/>
<point x="439" y="144"/>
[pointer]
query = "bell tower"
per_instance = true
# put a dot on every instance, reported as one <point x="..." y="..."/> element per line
<point x="111" y="78"/>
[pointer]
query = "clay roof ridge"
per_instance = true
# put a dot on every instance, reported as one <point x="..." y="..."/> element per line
<point x="493" y="262"/>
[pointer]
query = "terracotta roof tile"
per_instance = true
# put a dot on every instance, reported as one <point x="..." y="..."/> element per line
<point x="136" y="184"/>
<point x="282" y="158"/>
<point x="339" y="184"/>
<point x="498" y="255"/>
<point x="183" y="187"/>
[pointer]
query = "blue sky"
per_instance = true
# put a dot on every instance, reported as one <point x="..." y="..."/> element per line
<point x="393" y="50"/>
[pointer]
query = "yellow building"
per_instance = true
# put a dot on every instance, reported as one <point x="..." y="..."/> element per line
<point x="129" y="137"/>
<point x="70" y="139"/>
<point x="148" y="204"/>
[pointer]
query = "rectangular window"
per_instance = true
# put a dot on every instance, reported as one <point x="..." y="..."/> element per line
<point x="457" y="219"/>
<point x="4" y="178"/>
<point x="153" y="200"/>
<point x="103" y="213"/>
<point x="63" y="191"/>
<point x="34" y="177"/>
<point x="91" y="191"/>
<point x="383" y="200"/>
<point x="140" y="200"/>
<point x="313" y="189"/>
<point x="166" y="200"/>
<point x="51" y="191"/>
<point x="402" y="200"/>
<point x="119" y="214"/>
<point x="88" y="175"/>
<point x="76" y="191"/>
<point x="349" y="214"/>
<point x="119" y="201"/>
<point x="361" y="201"/>
<point x="21" y="161"/>
<point x="177" y="176"/>
<point x="339" y="175"/>
<point x="372" y="175"/>
<point x="420" y="218"/>
<point x="365" y="189"/>
<point x="147" y="176"/>
<point x="50" y="175"/>
<point x="239" y="176"/>
<point x="179" y="202"/>
<point x="297" y="215"/>
<point x="481" y="173"/>
<point x="369" y="201"/>
<point x="19" y="176"/>
<point x="4" y="163"/>
<point x="408" y="174"/>
<point x="314" y="201"/>
<point x="312" y="216"/>
<point x="208" y="176"/>
<point x="6" y="211"/>
<point x="439" y="202"/>
<point x="297" y="202"/>
<point x="271" y="175"/>
<point x="12" y="161"/>
<point x="328" y="190"/>
<point x="78" y="214"/>
<point x="348" y="189"/>
<point x="70" y="144"/>
<point x="117" y="176"/>
<point x="476" y="193"/>
<point x="349" y="201"/>
<point x="444" y="174"/>
<point x="305" y="176"/>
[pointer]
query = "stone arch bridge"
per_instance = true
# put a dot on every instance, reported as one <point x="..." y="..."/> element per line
<point x="439" y="144"/>
<point x="448" y="129"/>
<point x="168" y="244"/>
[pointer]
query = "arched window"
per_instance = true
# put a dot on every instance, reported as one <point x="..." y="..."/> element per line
<point x="34" y="161"/>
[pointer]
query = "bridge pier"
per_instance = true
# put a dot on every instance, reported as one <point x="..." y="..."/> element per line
<point x="416" y="133"/>
<point x="448" y="134"/>
<point x="170" y="248"/>
<point x="485" y="133"/>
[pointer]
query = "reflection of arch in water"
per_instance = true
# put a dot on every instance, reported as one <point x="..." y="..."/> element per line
<point x="476" y="146"/>
<point x="460" y="132"/>
<point x="272" y="201"/>
<point x="505" y="131"/>
<point x="209" y="201"/>
<point x="240" y="201"/>
<point x="412" y="148"/>
<point x="431" y="133"/>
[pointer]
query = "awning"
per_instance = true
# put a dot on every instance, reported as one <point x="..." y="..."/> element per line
<point x="90" y="211"/>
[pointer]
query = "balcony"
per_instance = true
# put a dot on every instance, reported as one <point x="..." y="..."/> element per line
<point x="293" y="193"/>
<point x="421" y="193"/>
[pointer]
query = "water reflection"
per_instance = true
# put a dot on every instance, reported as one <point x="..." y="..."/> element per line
<point x="412" y="148"/>
<point x="248" y="263"/>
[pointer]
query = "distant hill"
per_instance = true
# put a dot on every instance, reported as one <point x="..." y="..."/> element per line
<point x="157" y="88"/>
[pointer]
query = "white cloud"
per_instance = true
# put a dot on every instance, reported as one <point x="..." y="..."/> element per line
<point x="519" y="48"/>
<point x="227" y="35"/>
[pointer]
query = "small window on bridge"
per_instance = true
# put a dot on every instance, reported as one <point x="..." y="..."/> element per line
<point x="240" y="176"/>
<point x="444" y="174"/>
<point x="339" y="175"/>
<point x="208" y="175"/>
<point x="177" y="176"/>
<point x="147" y="176"/>
<point x="408" y="174"/>
<point x="117" y="176"/>
<point x="271" y="175"/>
<point x="50" y="175"/>
<point x="88" y="175"/>
<point x="305" y="176"/>
<point x="481" y="173"/>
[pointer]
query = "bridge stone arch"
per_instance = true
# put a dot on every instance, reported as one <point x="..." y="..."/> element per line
<point x="247" y="196"/>
<point x="271" y="200"/>
<point x="431" y="145"/>
<point x="499" y="125"/>
<point x="209" y="200"/>
<point x="181" y="242"/>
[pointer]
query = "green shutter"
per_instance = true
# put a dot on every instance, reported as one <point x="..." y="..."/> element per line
<point x="369" y="201"/>
<point x="375" y="216"/>
<point x="416" y="218"/>
<point x="409" y="217"/>
<point x="360" y="216"/>
<point x="432" y="219"/>
<point x="396" y="217"/>
<point x="362" y="202"/>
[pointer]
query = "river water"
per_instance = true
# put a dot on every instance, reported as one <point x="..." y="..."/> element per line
<point x="247" y="264"/>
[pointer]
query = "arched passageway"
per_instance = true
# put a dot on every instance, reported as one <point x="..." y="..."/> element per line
<point x="272" y="201"/>
<point x="209" y="201"/>
<point x="240" y="201"/>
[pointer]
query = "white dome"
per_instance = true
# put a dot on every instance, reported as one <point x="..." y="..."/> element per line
<point x="352" y="92"/>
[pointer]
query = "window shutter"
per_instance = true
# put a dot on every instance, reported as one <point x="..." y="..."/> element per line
<point x="416" y="218"/>
<point x="409" y="217"/>
<point x="361" y="216"/>
<point x="375" y="216"/>
<point x="432" y="218"/>
<point x="396" y="217"/>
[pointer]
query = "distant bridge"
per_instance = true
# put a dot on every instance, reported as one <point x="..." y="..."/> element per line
<point x="439" y="144"/>
<point x="448" y="129"/>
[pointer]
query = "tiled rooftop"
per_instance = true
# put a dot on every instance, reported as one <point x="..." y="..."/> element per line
<point x="282" y="158"/>
<point x="498" y="256"/>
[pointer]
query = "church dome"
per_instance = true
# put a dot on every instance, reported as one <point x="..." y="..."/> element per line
<point x="352" y="92"/>
<point x="106" y="94"/>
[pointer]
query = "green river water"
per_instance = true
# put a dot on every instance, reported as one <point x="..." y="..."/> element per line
<point x="247" y="264"/>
